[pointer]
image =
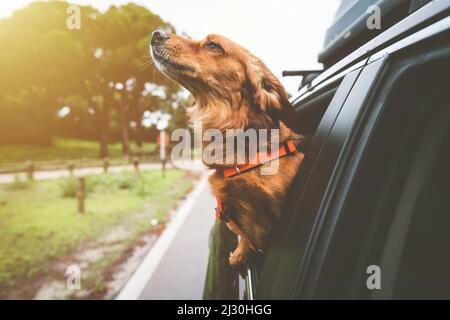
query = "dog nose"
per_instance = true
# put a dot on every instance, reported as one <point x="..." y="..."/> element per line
<point x="159" y="37"/>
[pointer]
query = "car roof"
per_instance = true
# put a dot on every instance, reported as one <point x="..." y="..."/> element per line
<point x="397" y="33"/>
<point x="350" y="29"/>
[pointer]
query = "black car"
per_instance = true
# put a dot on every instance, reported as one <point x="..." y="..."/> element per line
<point x="372" y="197"/>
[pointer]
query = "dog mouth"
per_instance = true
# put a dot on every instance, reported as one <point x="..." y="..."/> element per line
<point x="166" y="63"/>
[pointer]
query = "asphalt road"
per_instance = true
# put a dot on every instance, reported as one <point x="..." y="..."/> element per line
<point x="181" y="271"/>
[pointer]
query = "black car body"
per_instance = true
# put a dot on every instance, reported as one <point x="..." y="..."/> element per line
<point x="373" y="189"/>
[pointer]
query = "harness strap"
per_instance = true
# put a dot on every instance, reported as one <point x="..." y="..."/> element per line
<point x="286" y="149"/>
<point x="220" y="214"/>
<point x="261" y="158"/>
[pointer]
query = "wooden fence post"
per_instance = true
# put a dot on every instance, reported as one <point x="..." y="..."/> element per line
<point x="81" y="194"/>
<point x="164" y="168"/>
<point x="163" y="141"/>
<point x="71" y="167"/>
<point x="105" y="165"/>
<point x="30" y="170"/>
<point x="136" y="164"/>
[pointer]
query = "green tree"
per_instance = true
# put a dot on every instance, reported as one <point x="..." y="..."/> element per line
<point x="98" y="71"/>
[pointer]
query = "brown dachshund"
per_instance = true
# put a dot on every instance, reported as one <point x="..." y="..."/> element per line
<point x="233" y="89"/>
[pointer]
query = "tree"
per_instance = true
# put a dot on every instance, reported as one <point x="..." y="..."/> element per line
<point x="96" y="71"/>
<point x="124" y="44"/>
<point x="35" y="70"/>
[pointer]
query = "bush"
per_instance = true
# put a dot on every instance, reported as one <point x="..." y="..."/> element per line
<point x="141" y="189"/>
<point x="69" y="187"/>
<point x="106" y="182"/>
<point x="126" y="181"/>
<point x="19" y="184"/>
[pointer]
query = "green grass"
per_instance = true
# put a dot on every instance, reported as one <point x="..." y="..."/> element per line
<point x="38" y="225"/>
<point x="64" y="149"/>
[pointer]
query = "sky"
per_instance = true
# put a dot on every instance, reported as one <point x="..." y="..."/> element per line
<point x="285" y="34"/>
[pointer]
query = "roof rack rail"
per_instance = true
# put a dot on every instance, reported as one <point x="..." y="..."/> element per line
<point x="307" y="75"/>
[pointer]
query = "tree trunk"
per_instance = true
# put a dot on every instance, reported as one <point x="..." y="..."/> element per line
<point x="103" y="112"/>
<point x="137" y="112"/>
<point x="104" y="126"/>
<point x="139" y="131"/>
<point x="121" y="109"/>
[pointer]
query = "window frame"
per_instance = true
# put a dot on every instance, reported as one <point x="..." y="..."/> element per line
<point x="270" y="284"/>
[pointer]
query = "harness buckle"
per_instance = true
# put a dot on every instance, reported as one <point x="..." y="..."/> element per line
<point x="288" y="149"/>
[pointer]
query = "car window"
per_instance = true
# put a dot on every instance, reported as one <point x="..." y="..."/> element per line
<point x="415" y="259"/>
<point x="310" y="112"/>
<point x="389" y="207"/>
<point x="323" y="116"/>
<point x="320" y="185"/>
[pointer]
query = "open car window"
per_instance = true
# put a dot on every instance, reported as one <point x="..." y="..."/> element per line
<point x="316" y="117"/>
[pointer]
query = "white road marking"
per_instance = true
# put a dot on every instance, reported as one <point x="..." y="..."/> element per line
<point x="143" y="274"/>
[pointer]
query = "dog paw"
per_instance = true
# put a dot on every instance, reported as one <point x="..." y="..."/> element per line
<point x="236" y="258"/>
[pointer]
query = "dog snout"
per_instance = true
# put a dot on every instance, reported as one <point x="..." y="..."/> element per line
<point x="159" y="37"/>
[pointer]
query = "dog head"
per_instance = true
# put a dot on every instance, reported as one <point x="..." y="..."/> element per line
<point x="216" y="70"/>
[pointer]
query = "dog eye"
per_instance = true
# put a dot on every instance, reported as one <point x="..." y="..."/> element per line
<point x="213" y="46"/>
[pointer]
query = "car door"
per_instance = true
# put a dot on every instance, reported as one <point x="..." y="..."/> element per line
<point x="387" y="204"/>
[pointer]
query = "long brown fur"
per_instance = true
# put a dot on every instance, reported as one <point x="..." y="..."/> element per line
<point x="234" y="90"/>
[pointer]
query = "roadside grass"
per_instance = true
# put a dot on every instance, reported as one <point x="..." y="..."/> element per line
<point x="65" y="149"/>
<point x="39" y="226"/>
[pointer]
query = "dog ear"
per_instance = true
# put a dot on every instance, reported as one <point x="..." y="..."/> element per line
<point x="268" y="95"/>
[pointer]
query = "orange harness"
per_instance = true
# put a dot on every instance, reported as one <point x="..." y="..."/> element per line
<point x="286" y="149"/>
